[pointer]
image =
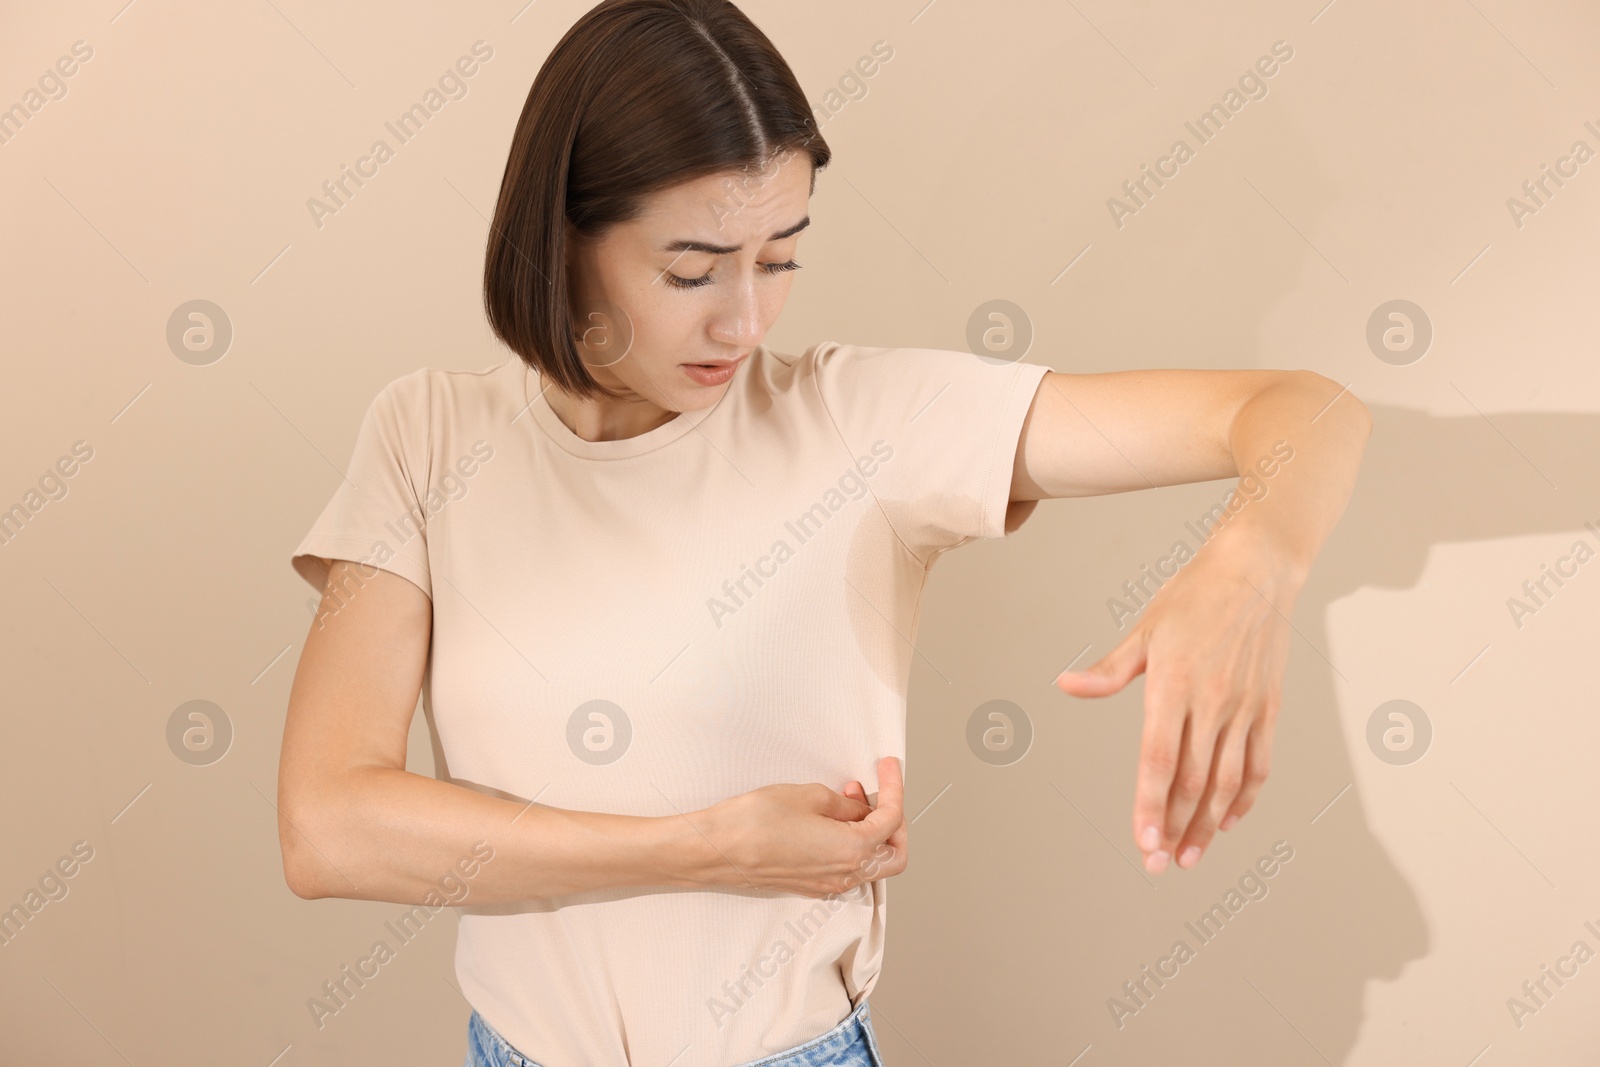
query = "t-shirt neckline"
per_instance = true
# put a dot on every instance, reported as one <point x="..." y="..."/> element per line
<point x="539" y="407"/>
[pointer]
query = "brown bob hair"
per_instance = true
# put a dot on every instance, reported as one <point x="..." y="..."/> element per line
<point x="637" y="96"/>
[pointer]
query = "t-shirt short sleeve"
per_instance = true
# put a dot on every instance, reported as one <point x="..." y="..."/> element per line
<point x="941" y="429"/>
<point x="376" y="515"/>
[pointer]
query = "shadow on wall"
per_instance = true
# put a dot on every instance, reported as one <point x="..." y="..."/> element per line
<point x="1027" y="897"/>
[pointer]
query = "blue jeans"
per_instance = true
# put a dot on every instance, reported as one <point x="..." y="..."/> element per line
<point x="850" y="1044"/>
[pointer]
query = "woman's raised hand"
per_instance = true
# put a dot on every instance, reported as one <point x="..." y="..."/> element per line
<point x="1214" y="641"/>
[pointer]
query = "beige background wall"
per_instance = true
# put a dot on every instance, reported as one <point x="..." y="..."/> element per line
<point x="977" y="166"/>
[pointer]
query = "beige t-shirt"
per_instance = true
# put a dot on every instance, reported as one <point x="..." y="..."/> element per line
<point x="651" y="625"/>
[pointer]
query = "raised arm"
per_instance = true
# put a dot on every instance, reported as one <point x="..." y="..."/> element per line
<point x="1214" y="638"/>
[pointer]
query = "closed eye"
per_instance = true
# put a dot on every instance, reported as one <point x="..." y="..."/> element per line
<point x="705" y="279"/>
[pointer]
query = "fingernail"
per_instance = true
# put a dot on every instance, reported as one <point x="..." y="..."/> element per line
<point x="1229" y="823"/>
<point x="1190" y="857"/>
<point x="1150" y="838"/>
<point x="1156" y="862"/>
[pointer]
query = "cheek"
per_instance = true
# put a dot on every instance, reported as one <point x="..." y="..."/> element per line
<point x="772" y="305"/>
<point x="665" y="323"/>
<point x="665" y="313"/>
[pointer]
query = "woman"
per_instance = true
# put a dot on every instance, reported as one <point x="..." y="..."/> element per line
<point x="657" y="584"/>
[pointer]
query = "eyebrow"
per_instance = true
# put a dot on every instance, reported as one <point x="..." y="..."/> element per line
<point x="723" y="250"/>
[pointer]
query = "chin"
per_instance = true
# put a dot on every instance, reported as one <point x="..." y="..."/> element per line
<point x="694" y="397"/>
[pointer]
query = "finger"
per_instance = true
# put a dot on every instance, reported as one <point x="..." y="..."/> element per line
<point x="1158" y="763"/>
<point x="889" y="856"/>
<point x="1257" y="763"/>
<point x="1114" y="670"/>
<point x="889" y="813"/>
<point x="1190" y="781"/>
<point x="835" y="805"/>
<point x="855" y="791"/>
<point x="1227" y="772"/>
<point x="900" y="840"/>
<point x="894" y="855"/>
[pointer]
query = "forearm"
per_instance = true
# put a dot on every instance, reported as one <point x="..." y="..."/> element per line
<point x="1287" y="507"/>
<point x="385" y="834"/>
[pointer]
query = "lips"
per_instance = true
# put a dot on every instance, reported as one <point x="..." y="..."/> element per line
<point x="716" y="373"/>
<point x="713" y="364"/>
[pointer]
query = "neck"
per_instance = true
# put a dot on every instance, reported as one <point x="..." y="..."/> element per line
<point x="607" y="418"/>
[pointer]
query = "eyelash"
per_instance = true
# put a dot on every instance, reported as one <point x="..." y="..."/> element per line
<point x="695" y="283"/>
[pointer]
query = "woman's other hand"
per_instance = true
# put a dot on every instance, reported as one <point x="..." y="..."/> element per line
<point x="809" y="839"/>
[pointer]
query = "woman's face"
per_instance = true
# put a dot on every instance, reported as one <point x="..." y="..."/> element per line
<point x="699" y="276"/>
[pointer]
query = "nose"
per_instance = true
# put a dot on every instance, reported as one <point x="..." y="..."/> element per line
<point x="738" y="322"/>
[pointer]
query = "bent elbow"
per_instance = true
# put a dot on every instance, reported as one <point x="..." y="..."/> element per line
<point x="303" y="869"/>
<point x="1341" y="394"/>
<point x="301" y="876"/>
